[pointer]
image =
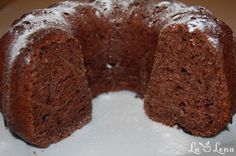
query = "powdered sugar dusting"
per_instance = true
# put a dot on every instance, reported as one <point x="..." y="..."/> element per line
<point x="55" y="17"/>
<point x="214" y="41"/>
<point x="97" y="13"/>
<point x="126" y="3"/>
<point x="52" y="17"/>
<point x="179" y="13"/>
<point x="199" y="23"/>
<point x="106" y="6"/>
<point x="67" y="6"/>
<point x="164" y="4"/>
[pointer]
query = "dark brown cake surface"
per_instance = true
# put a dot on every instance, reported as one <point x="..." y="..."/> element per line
<point x="179" y="58"/>
<point x="193" y="83"/>
<point x="49" y="105"/>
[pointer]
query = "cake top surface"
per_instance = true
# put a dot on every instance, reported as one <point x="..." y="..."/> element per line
<point x="39" y="19"/>
<point x="106" y="6"/>
<point x="195" y="17"/>
<point x="166" y="13"/>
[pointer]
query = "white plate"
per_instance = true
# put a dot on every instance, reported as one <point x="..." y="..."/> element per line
<point x="121" y="128"/>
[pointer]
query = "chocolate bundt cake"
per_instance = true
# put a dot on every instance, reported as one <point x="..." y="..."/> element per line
<point x="180" y="58"/>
